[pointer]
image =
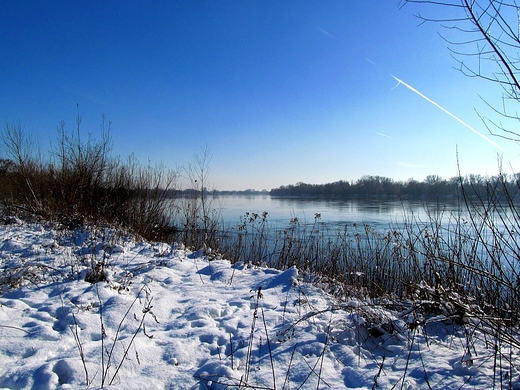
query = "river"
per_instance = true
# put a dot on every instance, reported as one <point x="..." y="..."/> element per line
<point x="379" y="213"/>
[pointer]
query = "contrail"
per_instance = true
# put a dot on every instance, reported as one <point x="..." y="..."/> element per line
<point x="383" y="135"/>
<point x="325" y="32"/>
<point x="399" y="81"/>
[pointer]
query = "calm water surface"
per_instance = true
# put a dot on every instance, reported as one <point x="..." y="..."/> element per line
<point x="380" y="213"/>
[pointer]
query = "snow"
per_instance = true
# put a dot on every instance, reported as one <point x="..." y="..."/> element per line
<point x="170" y="318"/>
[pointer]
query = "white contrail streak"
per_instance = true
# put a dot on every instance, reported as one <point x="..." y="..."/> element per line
<point x="326" y="33"/>
<point x="383" y="135"/>
<point x="399" y="81"/>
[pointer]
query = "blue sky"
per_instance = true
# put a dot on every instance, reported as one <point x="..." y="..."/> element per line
<point x="280" y="91"/>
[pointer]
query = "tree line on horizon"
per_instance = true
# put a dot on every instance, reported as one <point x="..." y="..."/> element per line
<point x="432" y="187"/>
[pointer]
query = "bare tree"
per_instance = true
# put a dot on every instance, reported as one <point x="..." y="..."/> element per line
<point x="484" y="39"/>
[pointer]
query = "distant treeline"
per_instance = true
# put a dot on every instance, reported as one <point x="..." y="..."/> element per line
<point x="431" y="187"/>
<point x="190" y="192"/>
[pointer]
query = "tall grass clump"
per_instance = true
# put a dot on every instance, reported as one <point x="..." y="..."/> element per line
<point x="250" y="242"/>
<point x="80" y="181"/>
<point x="478" y="254"/>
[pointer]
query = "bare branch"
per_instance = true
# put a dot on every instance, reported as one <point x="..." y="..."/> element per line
<point x="488" y="45"/>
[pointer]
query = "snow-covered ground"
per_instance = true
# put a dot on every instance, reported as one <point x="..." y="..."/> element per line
<point x="170" y="318"/>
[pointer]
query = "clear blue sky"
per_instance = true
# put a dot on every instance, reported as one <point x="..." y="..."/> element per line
<point x="280" y="91"/>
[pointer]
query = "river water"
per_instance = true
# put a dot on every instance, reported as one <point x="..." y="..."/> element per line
<point x="379" y="213"/>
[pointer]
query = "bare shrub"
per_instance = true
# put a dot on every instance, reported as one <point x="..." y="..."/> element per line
<point x="197" y="212"/>
<point x="81" y="182"/>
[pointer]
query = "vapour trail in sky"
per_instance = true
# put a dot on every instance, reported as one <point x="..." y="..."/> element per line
<point x="399" y="81"/>
<point x="326" y="33"/>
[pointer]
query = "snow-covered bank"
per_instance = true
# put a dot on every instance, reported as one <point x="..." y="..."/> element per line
<point x="170" y="318"/>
